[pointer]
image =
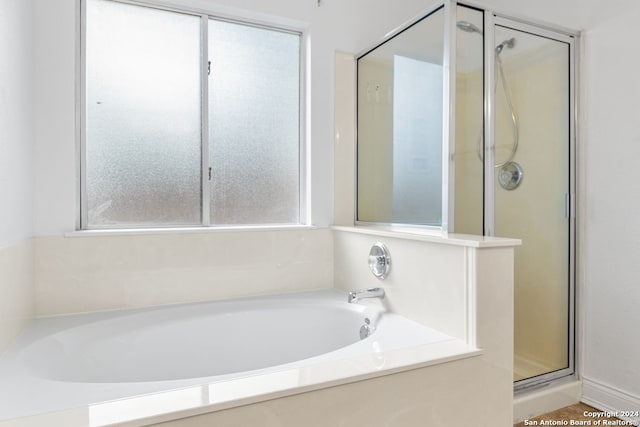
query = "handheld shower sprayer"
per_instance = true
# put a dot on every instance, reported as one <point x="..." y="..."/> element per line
<point x="468" y="27"/>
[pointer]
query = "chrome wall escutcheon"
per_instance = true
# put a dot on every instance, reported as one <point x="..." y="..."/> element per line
<point x="379" y="261"/>
<point x="510" y="176"/>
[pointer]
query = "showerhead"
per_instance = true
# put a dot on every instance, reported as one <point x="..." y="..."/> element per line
<point x="468" y="27"/>
<point x="510" y="43"/>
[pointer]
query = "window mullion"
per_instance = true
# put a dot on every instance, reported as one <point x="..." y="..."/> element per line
<point x="204" y="72"/>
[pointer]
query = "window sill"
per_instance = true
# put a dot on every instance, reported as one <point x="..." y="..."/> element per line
<point x="186" y="230"/>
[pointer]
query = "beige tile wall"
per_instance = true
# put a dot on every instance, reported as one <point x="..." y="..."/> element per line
<point x="427" y="282"/>
<point x="80" y="274"/>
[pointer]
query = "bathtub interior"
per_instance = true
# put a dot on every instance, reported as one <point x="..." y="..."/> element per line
<point x="209" y="340"/>
<point x="77" y="360"/>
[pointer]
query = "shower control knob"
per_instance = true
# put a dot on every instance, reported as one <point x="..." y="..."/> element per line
<point x="379" y="261"/>
<point x="510" y="176"/>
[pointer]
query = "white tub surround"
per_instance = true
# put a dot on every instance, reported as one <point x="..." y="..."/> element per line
<point x="465" y="286"/>
<point x="459" y="285"/>
<point x="433" y="277"/>
<point x="226" y="353"/>
<point x="316" y="395"/>
<point x="16" y="291"/>
<point x="84" y="274"/>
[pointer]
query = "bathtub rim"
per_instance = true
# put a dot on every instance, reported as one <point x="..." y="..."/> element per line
<point x="152" y="408"/>
<point x="407" y="360"/>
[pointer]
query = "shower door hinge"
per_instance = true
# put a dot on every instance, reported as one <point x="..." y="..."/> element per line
<point x="209" y="68"/>
<point x="209" y="174"/>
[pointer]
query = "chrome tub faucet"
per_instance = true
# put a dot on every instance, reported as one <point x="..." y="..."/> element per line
<point x="355" y="296"/>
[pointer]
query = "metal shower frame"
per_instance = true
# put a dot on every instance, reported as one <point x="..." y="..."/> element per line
<point x="491" y="20"/>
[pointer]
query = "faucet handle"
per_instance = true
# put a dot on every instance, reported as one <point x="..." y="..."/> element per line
<point x="379" y="261"/>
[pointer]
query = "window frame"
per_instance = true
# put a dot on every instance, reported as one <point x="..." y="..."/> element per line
<point x="205" y="16"/>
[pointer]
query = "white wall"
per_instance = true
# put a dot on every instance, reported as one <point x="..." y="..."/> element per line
<point x="611" y="229"/>
<point x="16" y="150"/>
<point x="16" y="65"/>
<point x="54" y="119"/>
<point x="572" y="14"/>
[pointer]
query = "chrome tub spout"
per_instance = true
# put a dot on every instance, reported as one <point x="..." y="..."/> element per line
<point x="355" y="296"/>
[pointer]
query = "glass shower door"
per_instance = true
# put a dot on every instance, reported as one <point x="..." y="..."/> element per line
<point x="509" y="171"/>
<point x="532" y="173"/>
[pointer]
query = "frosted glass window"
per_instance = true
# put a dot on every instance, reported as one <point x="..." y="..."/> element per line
<point x="143" y="116"/>
<point x="143" y="140"/>
<point x="254" y="101"/>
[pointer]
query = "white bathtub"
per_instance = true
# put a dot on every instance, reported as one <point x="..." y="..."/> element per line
<point x="78" y="360"/>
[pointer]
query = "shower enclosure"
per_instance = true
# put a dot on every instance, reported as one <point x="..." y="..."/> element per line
<point x="466" y="124"/>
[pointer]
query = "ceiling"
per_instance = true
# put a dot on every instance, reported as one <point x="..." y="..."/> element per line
<point x="571" y="14"/>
